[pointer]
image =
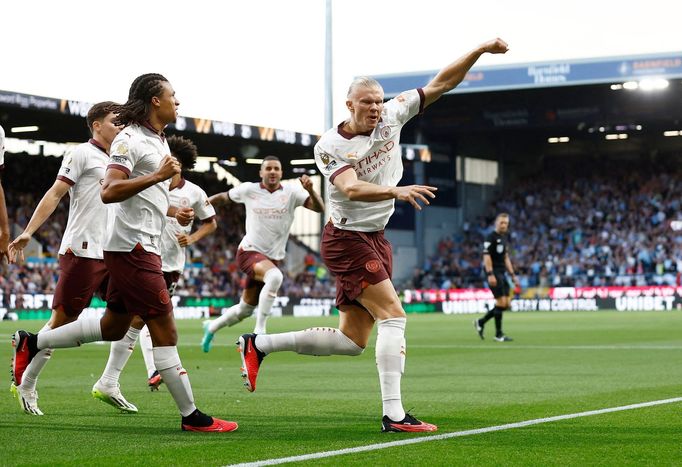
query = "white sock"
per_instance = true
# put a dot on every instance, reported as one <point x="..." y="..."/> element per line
<point x="30" y="378"/>
<point x="73" y="334"/>
<point x="175" y="377"/>
<point x="390" y="357"/>
<point x="119" y="354"/>
<point x="273" y="280"/>
<point x="232" y="316"/>
<point x="313" y="341"/>
<point x="146" y="347"/>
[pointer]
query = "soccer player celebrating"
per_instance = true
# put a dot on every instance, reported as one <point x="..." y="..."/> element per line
<point x="82" y="269"/>
<point x="174" y="239"/>
<point x="270" y="209"/>
<point x="495" y="262"/>
<point x="361" y="159"/>
<point x="136" y="183"/>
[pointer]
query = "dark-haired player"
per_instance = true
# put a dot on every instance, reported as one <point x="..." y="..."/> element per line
<point x="136" y="183"/>
<point x="82" y="269"/>
<point x="174" y="240"/>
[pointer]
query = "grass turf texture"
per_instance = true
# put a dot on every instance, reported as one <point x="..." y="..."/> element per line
<point x="559" y="363"/>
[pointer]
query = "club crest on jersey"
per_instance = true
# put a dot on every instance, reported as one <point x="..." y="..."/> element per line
<point x="184" y="202"/>
<point x="385" y="132"/>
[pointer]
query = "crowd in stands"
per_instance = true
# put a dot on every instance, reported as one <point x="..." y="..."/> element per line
<point x="211" y="267"/>
<point x="609" y="225"/>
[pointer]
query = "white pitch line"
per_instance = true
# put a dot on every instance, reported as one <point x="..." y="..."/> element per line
<point x="456" y="434"/>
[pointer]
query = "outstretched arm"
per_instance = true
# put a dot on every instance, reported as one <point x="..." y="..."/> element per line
<point x="219" y="199"/>
<point x="453" y="74"/>
<point x="358" y="190"/>
<point x="45" y="208"/>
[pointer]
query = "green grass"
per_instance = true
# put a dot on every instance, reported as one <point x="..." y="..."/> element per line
<point x="559" y="363"/>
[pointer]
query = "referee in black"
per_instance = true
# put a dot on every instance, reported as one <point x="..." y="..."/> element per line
<point x="495" y="263"/>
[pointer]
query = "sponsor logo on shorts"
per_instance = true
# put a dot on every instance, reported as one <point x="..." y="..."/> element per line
<point x="373" y="265"/>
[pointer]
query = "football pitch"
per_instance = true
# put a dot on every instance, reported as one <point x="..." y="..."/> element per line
<point x="477" y="392"/>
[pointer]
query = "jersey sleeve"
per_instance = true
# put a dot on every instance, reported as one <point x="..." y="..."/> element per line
<point x="122" y="154"/>
<point x="329" y="165"/>
<point x="203" y="209"/>
<point x="487" y="245"/>
<point x="404" y="106"/>
<point x="72" y="167"/>
<point x="238" y="193"/>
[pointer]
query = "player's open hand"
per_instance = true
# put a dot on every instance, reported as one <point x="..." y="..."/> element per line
<point x="184" y="216"/>
<point x="184" y="240"/>
<point x="495" y="46"/>
<point x="15" y="251"/>
<point x="306" y="182"/>
<point x="492" y="280"/>
<point x="168" y="167"/>
<point x="414" y="193"/>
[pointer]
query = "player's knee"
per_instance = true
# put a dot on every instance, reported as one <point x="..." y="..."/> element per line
<point x="273" y="279"/>
<point x="245" y="310"/>
<point x="348" y="346"/>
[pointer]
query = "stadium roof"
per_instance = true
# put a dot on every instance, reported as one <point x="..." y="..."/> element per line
<point x="548" y="74"/>
<point x="63" y="120"/>
<point x="620" y="106"/>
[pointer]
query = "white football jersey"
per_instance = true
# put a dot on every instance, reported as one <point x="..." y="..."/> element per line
<point x="185" y="195"/>
<point x="375" y="159"/>
<point x="2" y="148"/>
<point x="269" y="215"/>
<point x="83" y="169"/>
<point x="137" y="151"/>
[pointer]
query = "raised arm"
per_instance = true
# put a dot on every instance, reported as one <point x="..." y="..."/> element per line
<point x="45" y="208"/>
<point x="453" y="74"/>
<point x="358" y="190"/>
<point x="314" y="201"/>
<point x="219" y="199"/>
<point x="118" y="187"/>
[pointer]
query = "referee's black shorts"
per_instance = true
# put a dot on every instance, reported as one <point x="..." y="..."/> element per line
<point x="502" y="287"/>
